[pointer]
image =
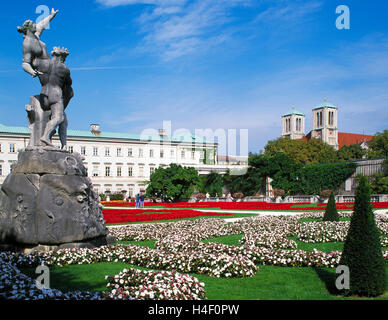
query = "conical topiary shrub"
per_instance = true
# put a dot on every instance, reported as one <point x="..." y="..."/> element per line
<point x="331" y="213"/>
<point x="362" y="249"/>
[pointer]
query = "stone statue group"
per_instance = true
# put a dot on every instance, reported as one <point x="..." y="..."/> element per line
<point x="46" y="111"/>
<point x="48" y="202"/>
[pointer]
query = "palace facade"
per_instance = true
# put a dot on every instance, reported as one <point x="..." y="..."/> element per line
<point x="118" y="162"/>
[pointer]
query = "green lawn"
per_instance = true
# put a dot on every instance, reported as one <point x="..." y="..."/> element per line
<point x="269" y="283"/>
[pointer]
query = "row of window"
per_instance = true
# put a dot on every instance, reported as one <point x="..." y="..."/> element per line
<point x="130" y="152"/>
<point x="298" y="125"/>
<point x="12" y="148"/>
<point x="119" y="171"/>
<point x="2" y="168"/>
<point x="108" y="171"/>
<point x="320" y="118"/>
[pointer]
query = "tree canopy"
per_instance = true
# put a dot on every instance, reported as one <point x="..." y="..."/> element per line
<point x="172" y="184"/>
<point x="378" y="146"/>
<point x="302" y="151"/>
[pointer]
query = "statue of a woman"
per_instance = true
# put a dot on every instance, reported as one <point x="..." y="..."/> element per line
<point x="36" y="59"/>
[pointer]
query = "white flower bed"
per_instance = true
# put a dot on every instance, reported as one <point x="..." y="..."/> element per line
<point x="179" y="250"/>
<point x="150" y="285"/>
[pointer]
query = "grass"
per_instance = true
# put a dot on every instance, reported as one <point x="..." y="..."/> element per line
<point x="269" y="283"/>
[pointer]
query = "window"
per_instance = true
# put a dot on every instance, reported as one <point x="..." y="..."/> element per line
<point x="298" y="124"/>
<point x="1" y="169"/>
<point x="183" y="154"/>
<point x="152" y="170"/>
<point x="11" y="165"/>
<point x="95" y="171"/>
<point x="319" y="119"/>
<point x="0" y="147"/>
<point x="151" y="153"/>
<point x="130" y="171"/>
<point x="331" y="118"/>
<point x="83" y="151"/>
<point x="130" y="152"/>
<point x="119" y="152"/>
<point x="193" y="155"/>
<point x="107" y="152"/>
<point x="140" y="153"/>
<point x="141" y="171"/>
<point x="172" y="153"/>
<point x="95" y="151"/>
<point x="119" y="171"/>
<point x="130" y="192"/>
<point x="107" y="171"/>
<point x="86" y="171"/>
<point x="12" y="148"/>
<point x="70" y="149"/>
<point x="161" y="153"/>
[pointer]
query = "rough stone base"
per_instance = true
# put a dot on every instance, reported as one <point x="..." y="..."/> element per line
<point x="90" y="244"/>
<point x="48" y="199"/>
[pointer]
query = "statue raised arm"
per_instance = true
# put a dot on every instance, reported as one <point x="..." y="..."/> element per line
<point x="43" y="24"/>
<point x="35" y="55"/>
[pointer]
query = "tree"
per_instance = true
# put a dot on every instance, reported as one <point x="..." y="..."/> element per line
<point x="211" y="183"/>
<point x="352" y="152"/>
<point x="362" y="249"/>
<point x="174" y="183"/>
<point x="316" y="177"/>
<point x="302" y="151"/>
<point x="378" y="146"/>
<point x="379" y="181"/>
<point x="331" y="213"/>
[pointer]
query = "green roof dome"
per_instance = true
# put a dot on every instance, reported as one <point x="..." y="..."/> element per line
<point x="293" y="111"/>
<point x="325" y="104"/>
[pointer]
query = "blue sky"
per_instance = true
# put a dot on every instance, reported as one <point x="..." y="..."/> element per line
<point x="230" y="64"/>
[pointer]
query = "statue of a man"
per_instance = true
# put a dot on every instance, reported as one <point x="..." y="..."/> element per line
<point x="55" y="95"/>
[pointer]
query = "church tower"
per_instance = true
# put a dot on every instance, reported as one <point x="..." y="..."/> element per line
<point x="325" y="117"/>
<point x="293" y="124"/>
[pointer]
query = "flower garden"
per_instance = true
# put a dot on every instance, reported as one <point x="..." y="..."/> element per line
<point x="200" y="256"/>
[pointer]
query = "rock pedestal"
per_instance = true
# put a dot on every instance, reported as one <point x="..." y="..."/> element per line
<point x="48" y="202"/>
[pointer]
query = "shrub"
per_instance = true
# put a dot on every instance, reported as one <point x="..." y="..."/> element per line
<point x="238" y="195"/>
<point x="199" y="196"/>
<point x="117" y="196"/>
<point x="278" y="192"/>
<point x="331" y="213"/>
<point x="362" y="249"/>
<point x="325" y="194"/>
<point x="102" y="196"/>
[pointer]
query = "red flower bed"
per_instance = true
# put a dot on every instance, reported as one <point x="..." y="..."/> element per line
<point x="245" y="205"/>
<point x="136" y="215"/>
